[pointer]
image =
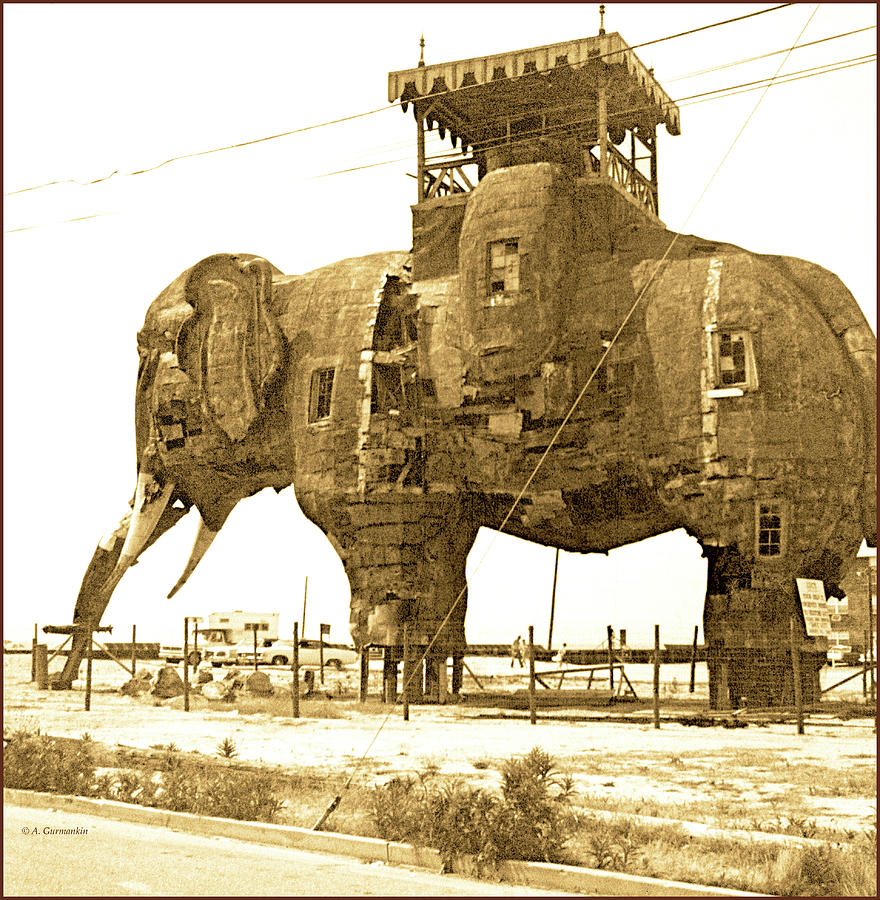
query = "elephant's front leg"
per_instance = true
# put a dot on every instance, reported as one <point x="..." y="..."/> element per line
<point x="405" y="559"/>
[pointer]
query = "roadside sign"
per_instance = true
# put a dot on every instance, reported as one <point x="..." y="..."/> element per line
<point x="815" y="606"/>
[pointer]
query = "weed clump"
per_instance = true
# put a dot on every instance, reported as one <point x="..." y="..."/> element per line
<point x="36" y="762"/>
<point x="529" y="820"/>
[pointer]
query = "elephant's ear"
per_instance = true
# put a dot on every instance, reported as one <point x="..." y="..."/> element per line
<point x="240" y="344"/>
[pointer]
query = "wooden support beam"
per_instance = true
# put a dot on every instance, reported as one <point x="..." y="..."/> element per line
<point x="115" y="658"/>
<point x="420" y="150"/>
<point x="365" y="675"/>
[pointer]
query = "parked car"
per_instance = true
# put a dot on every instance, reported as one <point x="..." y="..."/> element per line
<point x="280" y="653"/>
<point x="243" y="652"/>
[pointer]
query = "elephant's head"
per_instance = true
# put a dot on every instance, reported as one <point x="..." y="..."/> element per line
<point x="209" y="391"/>
<point x="210" y="418"/>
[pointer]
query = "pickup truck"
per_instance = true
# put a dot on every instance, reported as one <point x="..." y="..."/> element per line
<point x="280" y="653"/>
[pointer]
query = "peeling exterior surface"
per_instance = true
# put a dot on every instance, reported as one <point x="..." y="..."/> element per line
<point x="410" y="397"/>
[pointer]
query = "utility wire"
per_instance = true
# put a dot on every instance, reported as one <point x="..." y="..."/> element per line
<point x="740" y="62"/>
<point x="370" y="112"/>
<point x="690" y="100"/>
<point x="333" y="805"/>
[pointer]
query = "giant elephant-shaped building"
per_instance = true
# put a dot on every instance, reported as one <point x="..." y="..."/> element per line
<point x="549" y="359"/>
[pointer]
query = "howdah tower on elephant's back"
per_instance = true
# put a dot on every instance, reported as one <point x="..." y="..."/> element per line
<point x="548" y="360"/>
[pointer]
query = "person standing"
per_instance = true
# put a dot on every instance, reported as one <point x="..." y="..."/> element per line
<point x="516" y="652"/>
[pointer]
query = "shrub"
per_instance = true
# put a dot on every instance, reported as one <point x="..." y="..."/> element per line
<point x="189" y="786"/>
<point x="826" y="871"/>
<point x="37" y="762"/>
<point x="530" y="820"/>
<point x="227" y="749"/>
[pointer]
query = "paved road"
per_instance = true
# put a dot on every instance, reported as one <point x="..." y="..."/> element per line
<point x="109" y="858"/>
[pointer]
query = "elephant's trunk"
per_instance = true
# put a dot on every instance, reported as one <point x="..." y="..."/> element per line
<point x="204" y="538"/>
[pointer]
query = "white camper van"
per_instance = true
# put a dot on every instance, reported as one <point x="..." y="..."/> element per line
<point x="219" y="635"/>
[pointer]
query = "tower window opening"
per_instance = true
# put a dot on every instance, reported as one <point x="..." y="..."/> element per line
<point x="503" y="266"/>
<point x="735" y="361"/>
<point x="770" y="522"/>
<point x="320" y="394"/>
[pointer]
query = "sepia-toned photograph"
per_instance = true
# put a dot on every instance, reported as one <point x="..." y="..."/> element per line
<point x="440" y="449"/>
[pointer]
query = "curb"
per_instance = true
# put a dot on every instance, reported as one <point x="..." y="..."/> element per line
<point x="548" y="876"/>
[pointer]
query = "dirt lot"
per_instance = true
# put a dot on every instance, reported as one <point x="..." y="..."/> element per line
<point x="762" y="777"/>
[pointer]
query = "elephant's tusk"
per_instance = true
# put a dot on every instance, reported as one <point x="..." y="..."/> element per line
<point x="204" y="537"/>
<point x="149" y="504"/>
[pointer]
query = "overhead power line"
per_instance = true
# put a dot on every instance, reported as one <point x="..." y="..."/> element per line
<point x="740" y="62"/>
<point x="338" y="121"/>
<point x="717" y="94"/>
<point x="721" y="93"/>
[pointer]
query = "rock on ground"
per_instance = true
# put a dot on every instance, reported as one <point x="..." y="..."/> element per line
<point x="168" y="683"/>
<point x="259" y="683"/>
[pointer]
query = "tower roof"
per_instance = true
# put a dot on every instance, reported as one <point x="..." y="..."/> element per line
<point x="558" y="80"/>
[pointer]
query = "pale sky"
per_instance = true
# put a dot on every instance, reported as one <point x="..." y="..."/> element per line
<point x="93" y="89"/>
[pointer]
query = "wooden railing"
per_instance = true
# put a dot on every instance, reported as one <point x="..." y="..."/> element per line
<point x="445" y="179"/>
<point x="621" y="171"/>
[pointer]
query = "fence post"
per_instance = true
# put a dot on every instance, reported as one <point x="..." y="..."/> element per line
<point x="186" y="663"/>
<point x="656" y="676"/>
<point x="89" y="650"/>
<point x="41" y="656"/>
<point x="407" y="671"/>
<point x="694" y="658"/>
<point x="256" y="664"/>
<point x="532" y="715"/>
<point x="294" y="687"/>
<point x="36" y="638"/>
<point x="796" y="672"/>
<point x="133" y="651"/>
<point x="611" y="658"/>
<point x="865" y="666"/>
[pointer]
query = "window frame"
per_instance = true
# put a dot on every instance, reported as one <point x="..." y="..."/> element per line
<point x="321" y="395"/>
<point x="750" y="369"/>
<point x="778" y="507"/>
<point x="492" y="288"/>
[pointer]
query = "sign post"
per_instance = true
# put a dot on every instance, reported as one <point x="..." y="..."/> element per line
<point x="796" y="672"/>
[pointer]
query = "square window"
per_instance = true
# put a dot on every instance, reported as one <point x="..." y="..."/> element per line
<point x="503" y="266"/>
<point x="734" y="360"/>
<point x="770" y="528"/>
<point x="320" y="394"/>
